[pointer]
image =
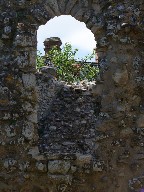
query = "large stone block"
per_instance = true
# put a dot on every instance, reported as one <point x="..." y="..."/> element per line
<point x="120" y="77"/>
<point x="58" y="167"/>
<point x="140" y="121"/>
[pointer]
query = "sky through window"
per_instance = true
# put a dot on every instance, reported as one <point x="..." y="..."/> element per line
<point x="69" y="30"/>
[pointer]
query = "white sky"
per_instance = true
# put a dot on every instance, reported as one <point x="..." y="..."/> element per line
<point x="69" y="30"/>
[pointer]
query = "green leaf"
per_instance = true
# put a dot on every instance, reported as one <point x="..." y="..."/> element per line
<point x="64" y="60"/>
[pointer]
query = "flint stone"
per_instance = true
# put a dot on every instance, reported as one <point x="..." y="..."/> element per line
<point x="49" y="70"/>
<point x="60" y="178"/>
<point x="97" y="89"/>
<point x="58" y="167"/>
<point x="126" y="132"/>
<point x="83" y="159"/>
<point x="29" y="80"/>
<point x="140" y="121"/>
<point x="120" y="77"/>
<point x="34" y="152"/>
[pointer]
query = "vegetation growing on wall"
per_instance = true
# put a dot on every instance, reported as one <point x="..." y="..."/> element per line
<point x="68" y="68"/>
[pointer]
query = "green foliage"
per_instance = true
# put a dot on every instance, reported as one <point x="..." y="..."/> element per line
<point x="68" y="69"/>
<point x="40" y="60"/>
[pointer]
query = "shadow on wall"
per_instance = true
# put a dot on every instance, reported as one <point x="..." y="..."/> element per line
<point x="66" y="112"/>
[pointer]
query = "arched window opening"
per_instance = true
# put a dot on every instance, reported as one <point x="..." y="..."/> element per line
<point x="68" y="29"/>
<point x="67" y="110"/>
<point x="76" y="58"/>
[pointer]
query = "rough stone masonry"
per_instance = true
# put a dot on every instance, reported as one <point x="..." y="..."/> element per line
<point x="117" y="165"/>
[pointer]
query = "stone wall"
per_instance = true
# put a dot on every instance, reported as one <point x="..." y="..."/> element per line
<point x="67" y="116"/>
<point x="118" y="29"/>
<point x="70" y="111"/>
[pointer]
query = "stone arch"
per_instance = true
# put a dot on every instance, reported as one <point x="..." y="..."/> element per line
<point x="84" y="11"/>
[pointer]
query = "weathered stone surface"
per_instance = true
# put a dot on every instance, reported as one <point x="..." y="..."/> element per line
<point x="110" y="129"/>
<point x="51" y="42"/>
<point x="34" y="152"/>
<point x="83" y="159"/>
<point x="127" y="132"/>
<point x="140" y="121"/>
<point x="72" y="113"/>
<point x="97" y="89"/>
<point x="58" y="167"/>
<point x="120" y="77"/>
